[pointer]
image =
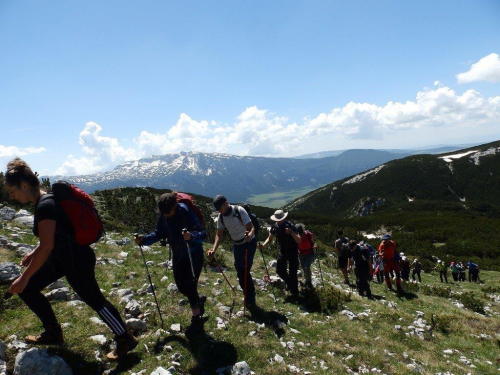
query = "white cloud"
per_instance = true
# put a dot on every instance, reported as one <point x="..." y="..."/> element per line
<point x="486" y="69"/>
<point x="13" y="151"/>
<point x="103" y="153"/>
<point x="260" y="132"/>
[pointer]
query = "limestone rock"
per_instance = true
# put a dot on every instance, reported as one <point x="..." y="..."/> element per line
<point x="241" y="368"/>
<point x="9" y="271"/>
<point x="7" y="213"/>
<point x="161" y="371"/>
<point x="61" y="294"/>
<point x="135" y="325"/>
<point x="39" y="362"/>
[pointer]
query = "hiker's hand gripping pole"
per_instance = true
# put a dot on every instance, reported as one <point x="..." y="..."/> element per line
<point x="187" y="235"/>
<point x="149" y="278"/>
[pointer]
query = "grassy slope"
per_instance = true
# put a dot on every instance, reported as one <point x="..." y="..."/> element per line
<point x="373" y="342"/>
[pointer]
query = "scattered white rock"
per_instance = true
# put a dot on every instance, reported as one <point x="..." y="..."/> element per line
<point x="175" y="327"/>
<point x="100" y="339"/>
<point x="39" y="362"/>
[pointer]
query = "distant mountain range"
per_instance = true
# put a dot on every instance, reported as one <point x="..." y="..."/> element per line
<point x="467" y="178"/>
<point x="237" y="177"/>
<point x="413" y="151"/>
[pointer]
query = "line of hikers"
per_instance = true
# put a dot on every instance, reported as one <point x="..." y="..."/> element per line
<point x="62" y="252"/>
<point x="458" y="271"/>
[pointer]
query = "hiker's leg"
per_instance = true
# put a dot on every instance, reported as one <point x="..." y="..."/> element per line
<point x="184" y="279"/>
<point x="387" y="268"/>
<point x="307" y="271"/>
<point x="239" y="264"/>
<point x="343" y="262"/>
<point x="398" y="277"/>
<point x="445" y="277"/>
<point x="441" y="276"/>
<point x="80" y="273"/>
<point x="294" y="267"/>
<point x="419" y="278"/>
<point x="32" y="296"/>
<point x="281" y="267"/>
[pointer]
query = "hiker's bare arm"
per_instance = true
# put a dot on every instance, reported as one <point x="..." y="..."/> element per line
<point x="36" y="258"/>
<point x="296" y="237"/>
<point x="269" y="239"/>
<point x="218" y="238"/>
<point x="250" y="232"/>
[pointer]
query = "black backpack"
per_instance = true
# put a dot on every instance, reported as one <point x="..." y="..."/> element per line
<point x="345" y="249"/>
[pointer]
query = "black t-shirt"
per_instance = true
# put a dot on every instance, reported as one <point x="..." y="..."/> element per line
<point x="47" y="209"/>
<point x="286" y="241"/>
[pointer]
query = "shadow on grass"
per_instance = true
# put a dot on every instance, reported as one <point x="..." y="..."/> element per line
<point x="272" y="319"/>
<point x="407" y="295"/>
<point x="209" y="353"/>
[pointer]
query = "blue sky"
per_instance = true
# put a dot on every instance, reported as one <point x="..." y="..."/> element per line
<point x="85" y="86"/>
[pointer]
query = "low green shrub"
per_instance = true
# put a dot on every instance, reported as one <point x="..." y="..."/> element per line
<point x="442" y="322"/>
<point x="471" y="302"/>
<point x="437" y="291"/>
<point x="332" y="299"/>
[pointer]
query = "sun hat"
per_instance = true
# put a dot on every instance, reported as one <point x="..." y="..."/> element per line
<point x="386" y="237"/>
<point x="279" y="215"/>
<point x="439" y="260"/>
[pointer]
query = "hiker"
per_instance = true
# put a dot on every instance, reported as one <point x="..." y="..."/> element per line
<point x="342" y="250"/>
<point x="405" y="267"/>
<point x="288" y="240"/>
<point x="461" y="272"/>
<point x="242" y="232"/>
<point x="306" y="252"/>
<point x="379" y="268"/>
<point x="57" y="255"/>
<point x="454" y="271"/>
<point x="417" y="268"/>
<point x="443" y="270"/>
<point x="360" y="255"/>
<point x="387" y="250"/>
<point x="182" y="229"/>
<point x="473" y="271"/>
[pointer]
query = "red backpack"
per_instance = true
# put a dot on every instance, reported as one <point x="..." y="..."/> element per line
<point x="190" y="202"/>
<point x="80" y="211"/>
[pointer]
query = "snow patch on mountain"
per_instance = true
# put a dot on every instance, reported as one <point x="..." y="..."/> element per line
<point x="480" y="154"/>
<point x="362" y="176"/>
<point x="450" y="158"/>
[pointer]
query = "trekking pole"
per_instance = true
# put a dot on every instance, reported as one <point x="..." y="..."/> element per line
<point x="321" y="272"/>
<point x="221" y="271"/>
<point x="267" y="271"/>
<point x="245" y="291"/>
<point x="150" y="282"/>
<point x="190" y="258"/>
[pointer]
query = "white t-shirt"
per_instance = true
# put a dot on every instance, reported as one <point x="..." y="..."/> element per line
<point x="234" y="225"/>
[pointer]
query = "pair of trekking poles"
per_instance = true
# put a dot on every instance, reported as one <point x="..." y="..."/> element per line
<point x="170" y="259"/>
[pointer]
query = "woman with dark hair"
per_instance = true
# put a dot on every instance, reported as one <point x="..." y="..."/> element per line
<point x="57" y="255"/>
<point x="181" y="228"/>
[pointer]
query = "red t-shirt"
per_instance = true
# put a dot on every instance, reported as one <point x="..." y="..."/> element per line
<point x="387" y="249"/>
<point x="306" y="245"/>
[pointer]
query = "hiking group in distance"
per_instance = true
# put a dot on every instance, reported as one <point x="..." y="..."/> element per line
<point x="66" y="223"/>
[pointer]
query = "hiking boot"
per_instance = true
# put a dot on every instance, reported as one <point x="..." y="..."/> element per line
<point x="51" y="336"/>
<point x="196" y="326"/>
<point x="201" y="304"/>
<point x="346" y="282"/>
<point x="124" y="344"/>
